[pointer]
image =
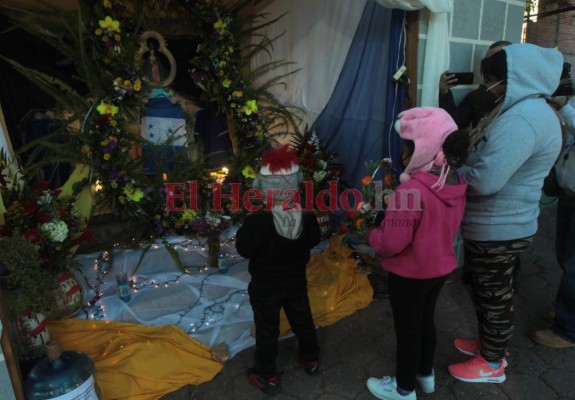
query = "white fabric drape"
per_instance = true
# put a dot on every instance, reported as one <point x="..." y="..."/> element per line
<point x="437" y="46"/>
<point x="317" y="38"/>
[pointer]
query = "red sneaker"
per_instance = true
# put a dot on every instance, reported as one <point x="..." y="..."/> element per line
<point x="477" y="370"/>
<point x="466" y="346"/>
<point x="472" y="347"/>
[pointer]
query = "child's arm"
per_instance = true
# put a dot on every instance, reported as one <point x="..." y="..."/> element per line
<point x="397" y="229"/>
<point x="312" y="226"/>
<point x="247" y="238"/>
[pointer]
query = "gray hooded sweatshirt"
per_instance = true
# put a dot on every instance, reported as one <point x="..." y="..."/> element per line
<point x="506" y="167"/>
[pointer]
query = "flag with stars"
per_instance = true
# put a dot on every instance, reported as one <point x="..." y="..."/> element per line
<point x="164" y="126"/>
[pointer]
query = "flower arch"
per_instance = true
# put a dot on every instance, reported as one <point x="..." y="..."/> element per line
<point x="101" y="134"/>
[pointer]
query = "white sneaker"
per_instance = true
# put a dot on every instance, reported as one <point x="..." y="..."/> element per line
<point x="386" y="389"/>
<point x="426" y="383"/>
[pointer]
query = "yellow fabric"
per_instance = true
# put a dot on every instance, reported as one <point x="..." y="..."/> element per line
<point x="335" y="289"/>
<point x="136" y="362"/>
<point x="84" y="200"/>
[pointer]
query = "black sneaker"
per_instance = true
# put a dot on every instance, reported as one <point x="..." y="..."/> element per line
<point x="311" y="367"/>
<point x="269" y="385"/>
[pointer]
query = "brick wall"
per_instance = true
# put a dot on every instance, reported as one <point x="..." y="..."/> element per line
<point x="554" y="31"/>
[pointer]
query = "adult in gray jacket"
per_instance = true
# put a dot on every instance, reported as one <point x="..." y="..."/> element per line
<point x="513" y="149"/>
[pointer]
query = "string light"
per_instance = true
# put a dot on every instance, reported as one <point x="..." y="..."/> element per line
<point x="103" y="264"/>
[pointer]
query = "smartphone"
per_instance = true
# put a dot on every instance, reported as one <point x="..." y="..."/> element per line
<point x="463" y="78"/>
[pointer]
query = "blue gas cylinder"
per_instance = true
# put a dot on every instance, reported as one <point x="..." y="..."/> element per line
<point x="61" y="375"/>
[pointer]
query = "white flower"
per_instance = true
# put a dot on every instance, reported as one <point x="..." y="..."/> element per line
<point x="321" y="164"/>
<point x="12" y="177"/>
<point x="45" y="198"/>
<point x="364" y="207"/>
<point x="319" y="176"/>
<point x="56" y="231"/>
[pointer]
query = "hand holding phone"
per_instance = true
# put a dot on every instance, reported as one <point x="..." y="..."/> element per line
<point x="464" y="78"/>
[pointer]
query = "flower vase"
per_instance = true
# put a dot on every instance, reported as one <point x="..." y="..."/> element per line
<point x="213" y="250"/>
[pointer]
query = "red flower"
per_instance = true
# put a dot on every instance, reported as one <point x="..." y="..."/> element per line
<point x="389" y="180"/>
<point x="29" y="207"/>
<point x="343" y="228"/>
<point x="33" y="235"/>
<point x="41" y="217"/>
<point x="366" y="180"/>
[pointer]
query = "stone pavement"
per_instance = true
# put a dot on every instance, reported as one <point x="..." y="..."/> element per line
<point x="363" y="345"/>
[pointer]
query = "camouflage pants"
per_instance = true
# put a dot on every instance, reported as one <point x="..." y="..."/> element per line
<point x="491" y="264"/>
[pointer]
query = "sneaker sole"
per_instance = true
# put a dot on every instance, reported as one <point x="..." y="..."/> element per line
<point x="492" y="379"/>
<point x="374" y="393"/>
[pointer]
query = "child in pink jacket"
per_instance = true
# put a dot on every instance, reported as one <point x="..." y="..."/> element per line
<point x="415" y="242"/>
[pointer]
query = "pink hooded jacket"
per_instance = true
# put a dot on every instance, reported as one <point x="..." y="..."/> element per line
<point x="415" y="240"/>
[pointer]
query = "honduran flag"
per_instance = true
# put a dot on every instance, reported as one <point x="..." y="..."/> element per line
<point x="163" y="126"/>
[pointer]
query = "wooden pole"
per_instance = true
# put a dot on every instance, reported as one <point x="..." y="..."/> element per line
<point x="411" y="51"/>
<point x="9" y="352"/>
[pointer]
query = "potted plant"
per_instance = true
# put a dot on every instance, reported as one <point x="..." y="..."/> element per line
<point x="38" y="237"/>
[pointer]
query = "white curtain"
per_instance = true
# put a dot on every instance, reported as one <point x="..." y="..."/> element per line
<point x="437" y="46"/>
<point x="317" y="37"/>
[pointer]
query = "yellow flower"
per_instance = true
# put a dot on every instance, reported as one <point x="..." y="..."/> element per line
<point x="137" y="85"/>
<point x="98" y="31"/>
<point x="238" y="93"/>
<point x="104" y="142"/>
<point x="122" y="199"/>
<point x="249" y="172"/>
<point x="233" y="105"/>
<point x="117" y="38"/>
<point x="114" y="185"/>
<point x="223" y="63"/>
<point x="107" y="156"/>
<point x="127" y="84"/>
<point x="113" y="122"/>
<point x="230" y="49"/>
<point x="250" y="107"/>
<point x="226" y="83"/>
<point x="136" y="194"/>
<point x="220" y="25"/>
<point x="107" y="4"/>
<point x="188" y="215"/>
<point x="107" y="108"/>
<point x="109" y="24"/>
<point x="118" y="81"/>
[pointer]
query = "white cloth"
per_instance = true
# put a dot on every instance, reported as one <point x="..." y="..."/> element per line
<point x="207" y="305"/>
<point x="316" y="36"/>
<point x="437" y="45"/>
<point x="436" y="6"/>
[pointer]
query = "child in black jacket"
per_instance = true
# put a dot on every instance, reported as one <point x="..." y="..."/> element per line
<point x="277" y="241"/>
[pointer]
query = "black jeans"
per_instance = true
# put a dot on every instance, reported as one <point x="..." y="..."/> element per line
<point x="413" y="304"/>
<point x="267" y="299"/>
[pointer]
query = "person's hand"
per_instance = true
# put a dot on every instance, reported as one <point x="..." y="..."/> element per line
<point x="556" y="102"/>
<point x="446" y="82"/>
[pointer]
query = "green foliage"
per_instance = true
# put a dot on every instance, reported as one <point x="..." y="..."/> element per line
<point x="34" y="285"/>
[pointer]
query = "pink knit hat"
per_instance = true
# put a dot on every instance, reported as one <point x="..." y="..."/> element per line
<point x="427" y="127"/>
